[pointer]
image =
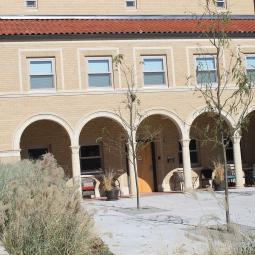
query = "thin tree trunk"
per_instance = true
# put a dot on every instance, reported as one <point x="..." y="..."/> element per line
<point x="226" y="184"/>
<point x="136" y="179"/>
<point x="133" y="146"/>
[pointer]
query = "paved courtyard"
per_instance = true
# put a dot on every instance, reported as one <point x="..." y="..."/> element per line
<point x="167" y="221"/>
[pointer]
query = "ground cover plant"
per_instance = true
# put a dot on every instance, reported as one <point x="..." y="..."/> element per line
<point x="40" y="215"/>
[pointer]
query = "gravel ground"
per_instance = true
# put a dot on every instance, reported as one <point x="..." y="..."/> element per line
<point x="168" y="221"/>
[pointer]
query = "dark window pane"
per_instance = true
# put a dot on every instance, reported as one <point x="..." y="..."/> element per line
<point x="193" y="157"/>
<point x="130" y="3"/>
<point x="35" y="154"/>
<point x="42" y="81"/>
<point x="99" y="80"/>
<point x="193" y="145"/>
<point x="230" y="145"/>
<point x="206" y="77"/>
<point x="90" y="165"/>
<point x="90" y="151"/>
<point x="251" y="75"/>
<point x="180" y="158"/>
<point x="31" y="3"/>
<point x="230" y="155"/>
<point x="221" y="4"/>
<point x="154" y="79"/>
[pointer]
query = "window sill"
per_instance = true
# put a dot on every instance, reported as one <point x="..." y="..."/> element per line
<point x="100" y="89"/>
<point x="206" y="86"/>
<point x="155" y="87"/>
<point x="34" y="91"/>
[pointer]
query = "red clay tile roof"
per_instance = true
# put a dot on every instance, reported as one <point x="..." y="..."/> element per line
<point x="10" y="27"/>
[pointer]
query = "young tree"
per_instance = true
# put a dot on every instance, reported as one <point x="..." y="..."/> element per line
<point x="220" y="95"/>
<point x="129" y="113"/>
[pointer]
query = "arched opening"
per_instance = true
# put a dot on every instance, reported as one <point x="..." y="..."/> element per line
<point x="103" y="148"/>
<point x="247" y="149"/>
<point x="44" y="136"/>
<point x="158" y="153"/>
<point x="205" y="150"/>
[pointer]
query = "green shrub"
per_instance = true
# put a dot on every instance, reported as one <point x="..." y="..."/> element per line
<point x="40" y="215"/>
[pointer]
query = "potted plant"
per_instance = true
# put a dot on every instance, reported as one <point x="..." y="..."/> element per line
<point x="110" y="184"/>
<point x="218" y="177"/>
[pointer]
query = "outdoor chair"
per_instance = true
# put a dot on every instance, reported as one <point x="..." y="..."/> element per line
<point x="88" y="186"/>
<point x="178" y="179"/>
<point x="231" y="175"/>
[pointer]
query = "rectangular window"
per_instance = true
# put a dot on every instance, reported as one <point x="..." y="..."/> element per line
<point x="229" y="151"/>
<point x="42" y="73"/>
<point x="131" y="3"/>
<point x="31" y="3"/>
<point x="91" y="160"/>
<point x="35" y="154"/>
<point x="99" y="72"/>
<point x="221" y="3"/>
<point x="250" y="68"/>
<point x="154" y="71"/>
<point x="193" y="152"/>
<point x="206" y="70"/>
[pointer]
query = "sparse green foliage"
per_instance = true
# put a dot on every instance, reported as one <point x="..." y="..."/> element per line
<point x="233" y="92"/>
<point x="130" y="106"/>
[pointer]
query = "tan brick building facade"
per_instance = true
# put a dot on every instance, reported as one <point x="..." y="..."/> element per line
<point x="68" y="117"/>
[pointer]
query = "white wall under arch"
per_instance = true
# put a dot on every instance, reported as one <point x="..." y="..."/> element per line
<point x="179" y="123"/>
<point x="41" y="116"/>
<point x="91" y="116"/>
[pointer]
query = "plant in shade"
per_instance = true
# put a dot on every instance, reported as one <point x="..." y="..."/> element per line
<point x="110" y="183"/>
<point x="218" y="176"/>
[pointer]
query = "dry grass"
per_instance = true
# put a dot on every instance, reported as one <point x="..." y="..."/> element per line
<point x="237" y="242"/>
<point x="218" y="172"/>
<point x="40" y="215"/>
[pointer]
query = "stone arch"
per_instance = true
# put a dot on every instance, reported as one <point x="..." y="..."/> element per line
<point x="87" y="118"/>
<point x="164" y="112"/>
<point x="163" y="151"/>
<point x="88" y="130"/>
<point x="37" y="117"/>
<point x="197" y="112"/>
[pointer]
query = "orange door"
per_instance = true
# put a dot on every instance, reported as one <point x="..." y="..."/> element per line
<point x="145" y="169"/>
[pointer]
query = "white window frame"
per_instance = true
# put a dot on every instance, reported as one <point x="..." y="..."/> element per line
<point x="93" y="157"/>
<point x="246" y="66"/>
<point x="53" y="73"/>
<point x="131" y="7"/>
<point x="31" y="7"/>
<point x="111" y="87"/>
<point x="213" y="84"/>
<point x="219" y="2"/>
<point x="159" y="86"/>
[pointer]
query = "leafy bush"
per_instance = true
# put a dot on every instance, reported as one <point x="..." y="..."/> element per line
<point x="40" y="215"/>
